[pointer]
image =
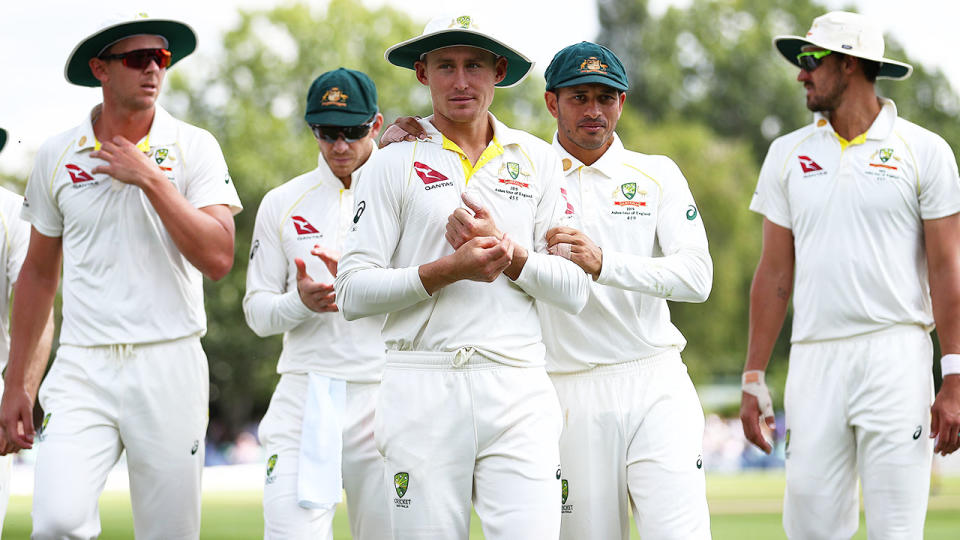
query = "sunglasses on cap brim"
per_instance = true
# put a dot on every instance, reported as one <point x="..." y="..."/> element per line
<point x="811" y="60"/>
<point x="141" y="58"/>
<point x="332" y="134"/>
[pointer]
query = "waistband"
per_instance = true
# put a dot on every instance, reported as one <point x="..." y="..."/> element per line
<point x="883" y="333"/>
<point x="606" y="370"/>
<point x="130" y="348"/>
<point x="467" y="358"/>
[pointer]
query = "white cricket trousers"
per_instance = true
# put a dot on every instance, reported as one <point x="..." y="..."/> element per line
<point x="362" y="466"/>
<point x="150" y="399"/>
<point x="5" y="463"/>
<point x="632" y="433"/>
<point x="455" y="428"/>
<point x="859" y="405"/>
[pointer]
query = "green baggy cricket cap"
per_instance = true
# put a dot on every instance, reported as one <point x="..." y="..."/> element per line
<point x="3" y="138"/>
<point x="181" y="41"/>
<point x="585" y="63"/>
<point x="342" y="97"/>
<point x="443" y="32"/>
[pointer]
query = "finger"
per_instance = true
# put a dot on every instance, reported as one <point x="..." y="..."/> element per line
<point x="24" y="439"/>
<point x="412" y="127"/>
<point x="451" y="239"/>
<point x="460" y="217"/>
<point x="561" y="230"/>
<point x="561" y="250"/>
<point x="484" y="242"/>
<point x="934" y="423"/>
<point x="473" y="202"/>
<point x="301" y="269"/>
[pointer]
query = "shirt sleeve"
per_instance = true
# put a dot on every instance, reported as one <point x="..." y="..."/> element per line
<point x="40" y="208"/>
<point x="546" y="277"/>
<point x="267" y="305"/>
<point x="938" y="184"/>
<point x="365" y="284"/>
<point x="685" y="271"/>
<point x="208" y="180"/>
<point x="770" y="197"/>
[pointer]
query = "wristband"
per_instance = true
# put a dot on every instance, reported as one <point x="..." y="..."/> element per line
<point x="950" y="364"/>
<point x="753" y="384"/>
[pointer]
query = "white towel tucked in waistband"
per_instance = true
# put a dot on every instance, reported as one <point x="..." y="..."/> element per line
<point x="320" y="479"/>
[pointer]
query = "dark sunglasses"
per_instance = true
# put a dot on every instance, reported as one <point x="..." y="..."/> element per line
<point x="811" y="60"/>
<point x="332" y="134"/>
<point x="141" y="58"/>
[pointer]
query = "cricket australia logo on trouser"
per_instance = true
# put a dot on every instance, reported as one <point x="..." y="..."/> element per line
<point x="401" y="481"/>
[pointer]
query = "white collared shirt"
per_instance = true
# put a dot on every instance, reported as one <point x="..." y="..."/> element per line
<point x="408" y="192"/>
<point x="124" y="280"/>
<point x="312" y="209"/>
<point x="639" y="210"/>
<point x="13" y="249"/>
<point x="856" y="212"/>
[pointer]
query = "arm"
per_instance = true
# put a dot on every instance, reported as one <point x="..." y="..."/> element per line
<point x="769" y="297"/>
<point x="32" y="305"/>
<point x="942" y="242"/>
<point x="203" y="235"/>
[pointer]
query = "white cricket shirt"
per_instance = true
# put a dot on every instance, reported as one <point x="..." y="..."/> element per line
<point x="856" y="211"/>
<point x="124" y="280"/>
<point x="312" y="209"/>
<point x="639" y="210"/>
<point x="408" y="191"/>
<point x="13" y="249"/>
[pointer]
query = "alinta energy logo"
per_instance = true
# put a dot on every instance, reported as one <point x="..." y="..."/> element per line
<point x="401" y="481"/>
<point x="431" y="178"/>
<point x="303" y="226"/>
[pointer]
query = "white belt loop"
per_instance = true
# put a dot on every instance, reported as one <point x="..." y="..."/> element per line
<point x="462" y="356"/>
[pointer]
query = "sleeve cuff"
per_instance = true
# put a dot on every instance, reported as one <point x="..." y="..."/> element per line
<point x="291" y="305"/>
<point x="611" y="261"/>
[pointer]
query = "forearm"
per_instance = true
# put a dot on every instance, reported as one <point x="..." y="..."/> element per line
<point x="373" y="291"/>
<point x="685" y="276"/>
<point x="204" y="237"/>
<point x="945" y="295"/>
<point x="769" y="297"/>
<point x="31" y="331"/>
<point x="555" y="280"/>
<point x="270" y="313"/>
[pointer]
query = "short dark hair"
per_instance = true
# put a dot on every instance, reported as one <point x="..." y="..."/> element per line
<point x="870" y="69"/>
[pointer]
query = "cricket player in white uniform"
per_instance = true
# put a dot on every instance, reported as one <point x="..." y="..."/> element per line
<point x="466" y="410"/>
<point x="13" y="248"/>
<point x="633" y="424"/>
<point x="861" y="222"/>
<point x="138" y="206"/>
<point x="318" y="430"/>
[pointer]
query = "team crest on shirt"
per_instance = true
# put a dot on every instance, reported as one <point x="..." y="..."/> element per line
<point x="401" y="481"/>
<point x="629" y="201"/>
<point x="883" y="165"/>
<point x="160" y="155"/>
<point x="511" y="179"/>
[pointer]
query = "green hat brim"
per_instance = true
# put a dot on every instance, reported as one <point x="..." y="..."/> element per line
<point x="407" y="53"/>
<point x="3" y="138"/>
<point x="180" y="37"/>
<point x="590" y="79"/>
<point x="338" y="118"/>
<point x="791" y="46"/>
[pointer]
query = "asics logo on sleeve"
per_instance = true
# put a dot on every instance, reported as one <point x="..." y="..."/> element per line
<point x="427" y="174"/>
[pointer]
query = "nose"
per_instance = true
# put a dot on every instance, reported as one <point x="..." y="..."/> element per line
<point x="460" y="79"/>
<point x="341" y="145"/>
<point x="803" y="76"/>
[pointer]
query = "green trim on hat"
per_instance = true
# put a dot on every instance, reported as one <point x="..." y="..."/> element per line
<point x="407" y="53"/>
<point x="586" y="63"/>
<point x="180" y="37"/>
<point x="3" y="138"/>
<point x="791" y="46"/>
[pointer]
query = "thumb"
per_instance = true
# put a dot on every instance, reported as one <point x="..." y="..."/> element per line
<point x="473" y="203"/>
<point x="301" y="269"/>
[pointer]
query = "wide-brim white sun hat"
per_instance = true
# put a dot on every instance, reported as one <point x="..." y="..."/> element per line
<point x="461" y="30"/>
<point x="181" y="41"/>
<point x="847" y="33"/>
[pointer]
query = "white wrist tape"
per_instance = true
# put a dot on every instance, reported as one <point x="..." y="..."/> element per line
<point x="950" y="364"/>
<point x="753" y="384"/>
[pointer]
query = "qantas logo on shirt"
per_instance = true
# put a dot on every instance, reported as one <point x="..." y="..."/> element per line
<point x="430" y="177"/>
<point x="427" y="174"/>
<point x="569" y="211"/>
<point x="303" y="226"/>
<point x="77" y="174"/>
<point x="808" y="165"/>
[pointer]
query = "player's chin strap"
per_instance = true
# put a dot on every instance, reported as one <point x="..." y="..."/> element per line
<point x="753" y="384"/>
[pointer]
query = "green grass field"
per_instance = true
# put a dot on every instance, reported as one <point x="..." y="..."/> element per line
<point x="742" y="507"/>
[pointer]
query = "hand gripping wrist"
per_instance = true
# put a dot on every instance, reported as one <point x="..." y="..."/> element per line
<point x="753" y="384"/>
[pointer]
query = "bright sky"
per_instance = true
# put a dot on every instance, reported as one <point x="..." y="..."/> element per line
<point x="37" y="36"/>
